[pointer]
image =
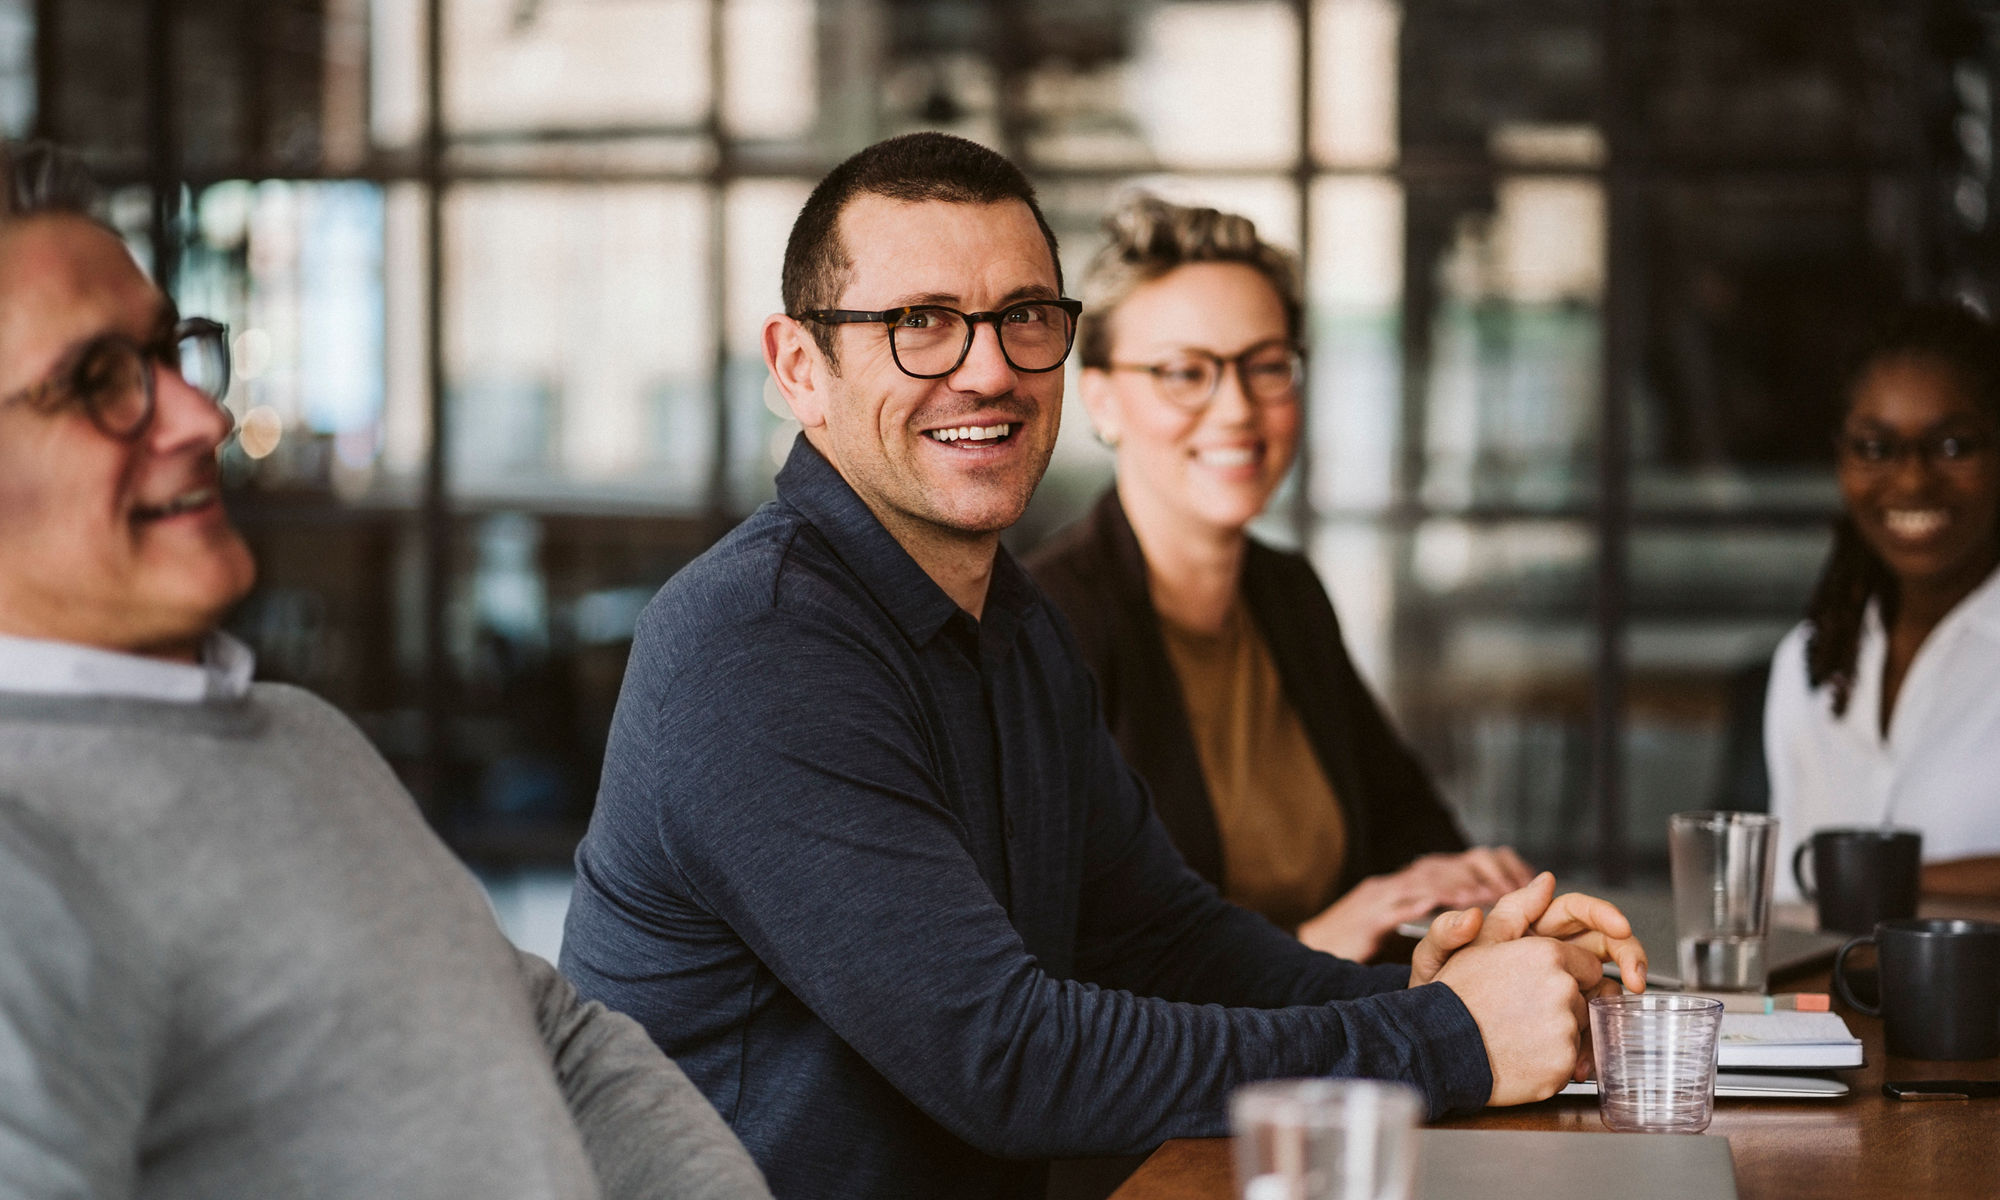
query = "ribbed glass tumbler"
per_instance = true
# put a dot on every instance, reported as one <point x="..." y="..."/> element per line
<point x="1655" y="1061"/>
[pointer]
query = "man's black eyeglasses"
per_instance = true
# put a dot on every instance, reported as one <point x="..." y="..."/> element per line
<point x="112" y="378"/>
<point x="930" y="341"/>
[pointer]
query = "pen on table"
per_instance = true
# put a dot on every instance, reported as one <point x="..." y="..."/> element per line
<point x="1756" y="1002"/>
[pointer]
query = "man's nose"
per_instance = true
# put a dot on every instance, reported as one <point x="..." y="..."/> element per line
<point x="985" y="369"/>
<point x="184" y="415"/>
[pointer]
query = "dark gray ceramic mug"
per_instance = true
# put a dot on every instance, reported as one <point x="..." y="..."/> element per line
<point x="1860" y="876"/>
<point x="1939" y="986"/>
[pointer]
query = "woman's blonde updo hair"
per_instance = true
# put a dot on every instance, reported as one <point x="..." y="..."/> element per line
<point x="1150" y="237"/>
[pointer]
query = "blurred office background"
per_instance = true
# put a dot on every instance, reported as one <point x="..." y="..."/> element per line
<point x="1582" y="275"/>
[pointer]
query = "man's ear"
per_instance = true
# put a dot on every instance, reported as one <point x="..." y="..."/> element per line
<point x="798" y="368"/>
<point x="1100" y="400"/>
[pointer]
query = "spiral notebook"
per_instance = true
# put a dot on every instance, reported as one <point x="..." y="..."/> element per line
<point x="1795" y="1040"/>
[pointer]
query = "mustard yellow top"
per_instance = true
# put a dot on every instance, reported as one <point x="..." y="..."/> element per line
<point x="1282" y="833"/>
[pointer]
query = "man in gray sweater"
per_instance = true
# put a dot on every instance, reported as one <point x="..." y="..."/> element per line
<point x="233" y="959"/>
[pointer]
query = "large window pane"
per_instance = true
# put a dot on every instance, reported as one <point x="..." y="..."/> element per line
<point x="1218" y="84"/>
<point x="1475" y="67"/>
<point x="396" y="109"/>
<point x="1490" y="669"/>
<point x="296" y="270"/>
<point x="579" y="342"/>
<point x="1752" y="83"/>
<point x="1355" y="285"/>
<point x="17" y="67"/>
<point x="760" y="215"/>
<point x="514" y="67"/>
<point x="1761" y="288"/>
<point x="99" y="52"/>
<point x="770" y="69"/>
<point x="1710" y="605"/>
<point x="1511" y="401"/>
<point x="1354" y="82"/>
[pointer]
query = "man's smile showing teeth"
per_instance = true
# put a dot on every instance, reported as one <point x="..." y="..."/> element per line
<point x="1915" y="522"/>
<point x="185" y="502"/>
<point x="972" y="433"/>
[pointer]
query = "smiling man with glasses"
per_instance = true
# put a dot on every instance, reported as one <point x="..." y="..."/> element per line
<point x="234" y="961"/>
<point x="865" y="860"/>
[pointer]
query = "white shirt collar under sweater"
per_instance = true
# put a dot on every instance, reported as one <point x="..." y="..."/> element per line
<point x="64" y="669"/>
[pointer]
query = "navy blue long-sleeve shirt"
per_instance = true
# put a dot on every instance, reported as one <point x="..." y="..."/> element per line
<point x="873" y="872"/>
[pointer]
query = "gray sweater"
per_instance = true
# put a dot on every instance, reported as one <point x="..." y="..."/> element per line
<point x="234" y="962"/>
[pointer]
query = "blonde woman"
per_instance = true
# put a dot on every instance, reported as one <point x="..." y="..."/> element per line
<point x="1220" y="660"/>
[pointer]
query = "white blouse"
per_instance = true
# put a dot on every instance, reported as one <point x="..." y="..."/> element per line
<point x="1937" y="770"/>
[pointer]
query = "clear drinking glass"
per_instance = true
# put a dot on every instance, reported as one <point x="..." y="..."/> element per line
<point x="1724" y="866"/>
<point x="1325" y="1139"/>
<point x="1655" y="1061"/>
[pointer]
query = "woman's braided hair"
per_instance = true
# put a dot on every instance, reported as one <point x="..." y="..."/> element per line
<point x="1962" y="342"/>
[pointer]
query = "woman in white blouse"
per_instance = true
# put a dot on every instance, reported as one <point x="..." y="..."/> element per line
<point x="1884" y="704"/>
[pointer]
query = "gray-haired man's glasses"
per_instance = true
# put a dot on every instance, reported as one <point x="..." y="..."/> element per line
<point x="930" y="341"/>
<point x="112" y="378"/>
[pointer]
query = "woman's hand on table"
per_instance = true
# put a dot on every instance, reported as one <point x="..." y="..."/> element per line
<point x="1354" y="926"/>
<point x="1471" y="878"/>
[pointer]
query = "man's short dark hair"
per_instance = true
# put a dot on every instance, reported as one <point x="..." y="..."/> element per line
<point x="37" y="177"/>
<point x="911" y="167"/>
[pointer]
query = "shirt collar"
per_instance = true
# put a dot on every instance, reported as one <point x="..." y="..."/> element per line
<point x="1982" y="605"/>
<point x="48" y="668"/>
<point x="1980" y="610"/>
<point x="911" y="597"/>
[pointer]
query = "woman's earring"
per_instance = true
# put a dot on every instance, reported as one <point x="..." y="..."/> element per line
<point x="1106" y="440"/>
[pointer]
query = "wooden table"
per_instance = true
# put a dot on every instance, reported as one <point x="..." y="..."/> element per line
<point x="1862" y="1144"/>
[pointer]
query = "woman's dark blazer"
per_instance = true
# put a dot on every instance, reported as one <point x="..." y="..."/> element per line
<point x="1096" y="574"/>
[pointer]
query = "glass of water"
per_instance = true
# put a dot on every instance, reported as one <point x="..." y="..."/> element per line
<point x="1655" y="1061"/>
<point x="1724" y="866"/>
<point x="1325" y="1139"/>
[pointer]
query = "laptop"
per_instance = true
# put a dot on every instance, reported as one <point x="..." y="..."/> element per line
<point x="1791" y="951"/>
<point x="1744" y="1085"/>
<point x="1507" y="1164"/>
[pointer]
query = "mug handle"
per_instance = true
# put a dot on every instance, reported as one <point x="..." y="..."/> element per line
<point x="1840" y="976"/>
<point x="1799" y="872"/>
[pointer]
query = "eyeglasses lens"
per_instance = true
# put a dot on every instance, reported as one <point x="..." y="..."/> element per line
<point x="110" y="382"/>
<point x="204" y="363"/>
<point x="1035" y="336"/>
<point x="932" y="341"/>
<point x="928" y="341"/>
<point x="1267" y="377"/>
<point x="1189" y="381"/>
<point x="1271" y="376"/>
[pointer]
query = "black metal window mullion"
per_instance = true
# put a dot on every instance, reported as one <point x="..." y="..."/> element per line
<point x="1624" y="331"/>
<point x="436" y="519"/>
